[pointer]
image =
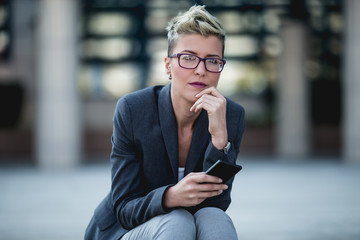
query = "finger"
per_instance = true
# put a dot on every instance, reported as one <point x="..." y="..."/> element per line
<point x="205" y="102"/>
<point x="211" y="90"/>
<point x="206" y="178"/>
<point x="201" y="177"/>
<point x="212" y="187"/>
<point x="195" y="107"/>
<point x="204" y="195"/>
<point x="198" y="107"/>
<point x="209" y="106"/>
<point x="198" y="102"/>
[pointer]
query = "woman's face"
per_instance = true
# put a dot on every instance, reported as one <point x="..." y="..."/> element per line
<point x="186" y="83"/>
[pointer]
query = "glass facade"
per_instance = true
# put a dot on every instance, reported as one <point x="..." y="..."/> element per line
<point x="5" y="33"/>
<point x="124" y="45"/>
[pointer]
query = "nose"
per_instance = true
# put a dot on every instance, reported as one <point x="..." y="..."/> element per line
<point x="200" y="69"/>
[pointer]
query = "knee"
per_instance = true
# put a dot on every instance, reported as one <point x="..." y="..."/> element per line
<point x="210" y="210"/>
<point x="212" y="213"/>
<point x="180" y="217"/>
<point x="179" y="223"/>
<point x="208" y="217"/>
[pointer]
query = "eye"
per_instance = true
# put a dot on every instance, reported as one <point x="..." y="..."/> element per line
<point x="213" y="61"/>
<point x="188" y="57"/>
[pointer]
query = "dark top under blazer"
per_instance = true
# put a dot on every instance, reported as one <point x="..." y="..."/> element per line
<point x="144" y="160"/>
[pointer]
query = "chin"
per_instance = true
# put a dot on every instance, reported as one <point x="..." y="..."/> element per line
<point x="191" y="97"/>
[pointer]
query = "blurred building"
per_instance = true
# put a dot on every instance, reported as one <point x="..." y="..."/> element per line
<point x="64" y="63"/>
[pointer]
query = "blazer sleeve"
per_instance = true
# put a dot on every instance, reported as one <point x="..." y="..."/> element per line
<point x="236" y="128"/>
<point x="131" y="204"/>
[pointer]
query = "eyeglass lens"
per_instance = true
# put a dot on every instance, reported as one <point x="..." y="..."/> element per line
<point x="191" y="61"/>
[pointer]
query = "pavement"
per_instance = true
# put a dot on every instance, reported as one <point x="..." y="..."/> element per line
<point x="282" y="199"/>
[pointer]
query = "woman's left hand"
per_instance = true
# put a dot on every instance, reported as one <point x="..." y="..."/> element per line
<point x="211" y="100"/>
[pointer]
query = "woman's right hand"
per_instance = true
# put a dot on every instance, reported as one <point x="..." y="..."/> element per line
<point x="192" y="190"/>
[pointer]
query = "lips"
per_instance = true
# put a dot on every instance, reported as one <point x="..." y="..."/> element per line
<point x="198" y="84"/>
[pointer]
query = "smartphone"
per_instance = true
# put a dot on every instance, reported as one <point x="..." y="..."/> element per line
<point x="223" y="170"/>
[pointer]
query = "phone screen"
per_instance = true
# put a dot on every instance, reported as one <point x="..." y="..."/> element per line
<point x="223" y="170"/>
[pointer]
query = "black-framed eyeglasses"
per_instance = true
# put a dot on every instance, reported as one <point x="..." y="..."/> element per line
<point x="190" y="61"/>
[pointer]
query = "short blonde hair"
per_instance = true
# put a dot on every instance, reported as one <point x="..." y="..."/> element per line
<point x="195" y="20"/>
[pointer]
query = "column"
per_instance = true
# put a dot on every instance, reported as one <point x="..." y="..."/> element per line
<point x="292" y="103"/>
<point x="351" y="84"/>
<point x="58" y="133"/>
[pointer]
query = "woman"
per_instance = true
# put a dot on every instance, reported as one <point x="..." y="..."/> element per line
<point x="165" y="137"/>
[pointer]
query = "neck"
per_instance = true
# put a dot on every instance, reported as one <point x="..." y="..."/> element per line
<point x="184" y="117"/>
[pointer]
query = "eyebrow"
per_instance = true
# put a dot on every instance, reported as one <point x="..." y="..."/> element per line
<point x="194" y="53"/>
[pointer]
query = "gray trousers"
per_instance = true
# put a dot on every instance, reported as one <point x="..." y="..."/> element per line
<point x="205" y="224"/>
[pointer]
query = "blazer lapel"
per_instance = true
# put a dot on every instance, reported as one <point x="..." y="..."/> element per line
<point x="169" y="127"/>
<point x="199" y="142"/>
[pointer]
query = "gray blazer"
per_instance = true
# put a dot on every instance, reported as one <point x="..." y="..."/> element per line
<point x="144" y="160"/>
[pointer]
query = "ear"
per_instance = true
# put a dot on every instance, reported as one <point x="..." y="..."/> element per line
<point x="167" y="65"/>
